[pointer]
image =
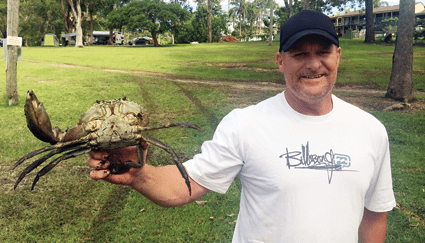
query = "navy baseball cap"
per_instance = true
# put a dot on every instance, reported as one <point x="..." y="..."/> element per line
<point x="306" y="22"/>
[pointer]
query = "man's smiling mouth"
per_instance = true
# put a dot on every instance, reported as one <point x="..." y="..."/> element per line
<point x="313" y="77"/>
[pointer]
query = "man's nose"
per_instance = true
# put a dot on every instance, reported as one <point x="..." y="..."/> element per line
<point x="313" y="63"/>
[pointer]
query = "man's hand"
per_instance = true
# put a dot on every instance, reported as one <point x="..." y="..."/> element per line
<point x="163" y="185"/>
<point x="101" y="161"/>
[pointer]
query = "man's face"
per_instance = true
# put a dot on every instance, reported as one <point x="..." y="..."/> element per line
<point x="310" y="69"/>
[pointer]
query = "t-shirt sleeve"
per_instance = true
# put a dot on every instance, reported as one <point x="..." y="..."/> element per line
<point x="380" y="195"/>
<point x="220" y="161"/>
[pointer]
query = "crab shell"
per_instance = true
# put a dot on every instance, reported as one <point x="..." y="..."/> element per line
<point x="110" y="124"/>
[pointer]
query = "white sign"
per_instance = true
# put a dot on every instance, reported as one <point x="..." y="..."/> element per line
<point x="14" y="41"/>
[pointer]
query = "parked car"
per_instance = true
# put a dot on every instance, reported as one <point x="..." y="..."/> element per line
<point x="142" y="41"/>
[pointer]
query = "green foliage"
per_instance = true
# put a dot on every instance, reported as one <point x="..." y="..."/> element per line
<point x="197" y="28"/>
<point x="388" y="25"/>
<point x="38" y="18"/>
<point x="155" y="16"/>
<point x="418" y="33"/>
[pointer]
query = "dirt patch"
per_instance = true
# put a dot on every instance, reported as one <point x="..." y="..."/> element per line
<point x="381" y="53"/>
<point x="229" y="38"/>
<point x="241" y="66"/>
<point x="374" y="100"/>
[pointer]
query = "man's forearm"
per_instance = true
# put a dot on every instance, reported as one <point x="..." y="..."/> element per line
<point x="373" y="227"/>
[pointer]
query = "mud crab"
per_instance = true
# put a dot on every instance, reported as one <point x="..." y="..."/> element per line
<point x="106" y="125"/>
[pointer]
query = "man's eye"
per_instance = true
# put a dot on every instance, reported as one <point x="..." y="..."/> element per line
<point x="299" y="54"/>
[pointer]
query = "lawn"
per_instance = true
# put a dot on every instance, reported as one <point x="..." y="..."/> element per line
<point x="66" y="206"/>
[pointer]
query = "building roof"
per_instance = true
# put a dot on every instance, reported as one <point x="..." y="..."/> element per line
<point x="387" y="9"/>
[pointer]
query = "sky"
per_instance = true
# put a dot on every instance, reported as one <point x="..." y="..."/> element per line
<point x="224" y="3"/>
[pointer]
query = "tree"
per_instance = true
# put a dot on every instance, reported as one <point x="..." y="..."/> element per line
<point x="401" y="80"/>
<point x="66" y="17"/>
<point x="240" y="9"/>
<point x="209" y="22"/>
<point x="155" y="16"/>
<point x="114" y="19"/>
<point x="306" y="4"/>
<point x="197" y="28"/>
<point x="271" y="23"/>
<point x="77" y="15"/>
<point x="182" y="16"/>
<point x="210" y="4"/>
<point x="3" y="18"/>
<point x="370" y="26"/>
<point x="38" y="18"/>
<point x="289" y="8"/>
<point x="92" y="7"/>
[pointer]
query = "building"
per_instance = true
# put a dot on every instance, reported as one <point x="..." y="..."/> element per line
<point x="356" y="20"/>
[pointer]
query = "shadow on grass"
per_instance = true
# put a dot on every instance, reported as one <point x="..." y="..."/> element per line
<point x="108" y="213"/>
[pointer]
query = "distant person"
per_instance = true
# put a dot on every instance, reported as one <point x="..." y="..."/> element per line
<point x="313" y="168"/>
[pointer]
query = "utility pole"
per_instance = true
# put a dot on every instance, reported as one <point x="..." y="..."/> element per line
<point x="12" y="52"/>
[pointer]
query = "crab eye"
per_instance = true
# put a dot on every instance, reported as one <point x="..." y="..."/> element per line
<point x="139" y="115"/>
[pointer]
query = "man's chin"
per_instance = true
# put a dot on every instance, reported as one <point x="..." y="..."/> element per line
<point x="316" y="92"/>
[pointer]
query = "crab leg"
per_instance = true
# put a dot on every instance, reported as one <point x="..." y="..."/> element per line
<point x="38" y="162"/>
<point x="59" y="147"/>
<point x="32" y="166"/>
<point x="173" y="124"/>
<point x="175" y="158"/>
<point x="121" y="167"/>
<point x="51" y="165"/>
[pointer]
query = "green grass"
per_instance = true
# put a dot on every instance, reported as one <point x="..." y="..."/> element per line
<point x="361" y="64"/>
<point x="406" y="133"/>
<point x="66" y="206"/>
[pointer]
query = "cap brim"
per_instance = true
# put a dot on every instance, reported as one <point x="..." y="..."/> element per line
<point x="285" y="47"/>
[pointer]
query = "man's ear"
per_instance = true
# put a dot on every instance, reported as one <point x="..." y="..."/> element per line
<point x="279" y="60"/>
<point x="338" y="53"/>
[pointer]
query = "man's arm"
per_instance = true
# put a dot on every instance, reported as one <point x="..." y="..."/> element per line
<point x="373" y="227"/>
<point x="162" y="185"/>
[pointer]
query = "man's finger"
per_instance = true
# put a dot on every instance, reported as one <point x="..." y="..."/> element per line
<point x="99" y="174"/>
<point x="122" y="179"/>
<point x="99" y="155"/>
<point x="98" y="164"/>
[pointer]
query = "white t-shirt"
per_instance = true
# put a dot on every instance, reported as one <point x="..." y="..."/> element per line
<point x="304" y="178"/>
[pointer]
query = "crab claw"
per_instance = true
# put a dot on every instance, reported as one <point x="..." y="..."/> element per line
<point x="38" y="121"/>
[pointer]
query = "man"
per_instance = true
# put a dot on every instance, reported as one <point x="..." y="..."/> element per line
<point x="313" y="168"/>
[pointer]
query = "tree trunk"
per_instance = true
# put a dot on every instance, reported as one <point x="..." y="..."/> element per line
<point x="78" y="27"/>
<point x="91" y="28"/>
<point x="111" y="32"/>
<point x="240" y="27"/>
<point x="12" y="52"/>
<point x="370" y="25"/>
<point x="306" y="4"/>
<point x="155" y="39"/>
<point x="65" y="18"/>
<point x="78" y="22"/>
<point x="209" y="22"/>
<point x="401" y="80"/>
<point x="288" y="8"/>
<point x="271" y="23"/>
